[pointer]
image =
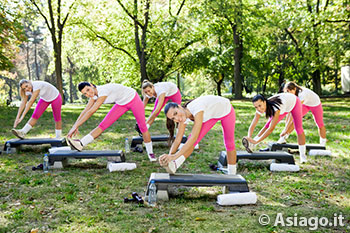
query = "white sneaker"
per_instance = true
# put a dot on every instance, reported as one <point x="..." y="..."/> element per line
<point x="171" y="167"/>
<point x="303" y="159"/>
<point x="76" y="144"/>
<point x="152" y="157"/>
<point x="18" y="133"/>
<point x="282" y="140"/>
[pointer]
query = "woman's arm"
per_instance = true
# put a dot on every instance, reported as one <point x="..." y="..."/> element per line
<point x="145" y="100"/>
<point x="90" y="109"/>
<point x="29" y="104"/>
<point x="187" y="149"/>
<point x="152" y="117"/>
<point x="253" y="125"/>
<point x="178" y="139"/>
<point x="272" y="126"/>
<point x="20" y="110"/>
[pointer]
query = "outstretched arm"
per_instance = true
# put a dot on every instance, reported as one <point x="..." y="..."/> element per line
<point x="154" y="114"/>
<point x="20" y="110"/>
<point x="29" y="104"/>
<point x="269" y="130"/>
<point x="187" y="149"/>
<point x="89" y="110"/>
<point x="145" y="100"/>
<point x="178" y="139"/>
<point x="253" y="125"/>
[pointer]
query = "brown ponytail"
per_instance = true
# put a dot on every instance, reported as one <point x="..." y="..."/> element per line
<point x="293" y="86"/>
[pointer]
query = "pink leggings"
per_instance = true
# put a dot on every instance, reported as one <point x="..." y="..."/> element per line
<point x="41" y="106"/>
<point x="297" y="117"/>
<point x="176" y="98"/>
<point x="317" y="112"/>
<point x="117" y="111"/>
<point x="228" y="128"/>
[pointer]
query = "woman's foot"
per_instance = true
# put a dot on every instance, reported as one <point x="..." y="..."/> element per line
<point x="171" y="167"/>
<point x="152" y="157"/>
<point x="75" y="144"/>
<point x="246" y="144"/>
<point x="18" y="133"/>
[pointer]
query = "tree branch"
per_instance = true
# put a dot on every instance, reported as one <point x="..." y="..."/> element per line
<point x="65" y="19"/>
<point x="295" y="41"/>
<point x="182" y="4"/>
<point x="129" y="14"/>
<point x="42" y="14"/>
<point x="108" y="42"/>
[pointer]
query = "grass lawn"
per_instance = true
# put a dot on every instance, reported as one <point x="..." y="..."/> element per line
<point x="86" y="197"/>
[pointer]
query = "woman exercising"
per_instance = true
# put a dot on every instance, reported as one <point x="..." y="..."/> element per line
<point x="125" y="98"/>
<point x="276" y="108"/>
<point x="163" y="92"/>
<point x="310" y="102"/>
<point x="204" y="111"/>
<point x="48" y="95"/>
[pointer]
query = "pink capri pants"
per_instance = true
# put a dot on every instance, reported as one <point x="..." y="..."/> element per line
<point x="297" y="117"/>
<point x="42" y="105"/>
<point x="176" y="98"/>
<point x="117" y="111"/>
<point x="228" y="128"/>
<point x="317" y="112"/>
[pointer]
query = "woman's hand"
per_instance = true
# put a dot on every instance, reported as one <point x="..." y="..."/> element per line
<point x="73" y="131"/>
<point x="17" y="121"/>
<point x="164" y="159"/>
<point x="251" y="140"/>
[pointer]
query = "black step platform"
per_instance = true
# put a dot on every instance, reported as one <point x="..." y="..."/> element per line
<point x="279" y="156"/>
<point x="274" y="146"/>
<point x="235" y="183"/>
<point x="160" y="138"/>
<point x="14" y="143"/>
<point x="63" y="155"/>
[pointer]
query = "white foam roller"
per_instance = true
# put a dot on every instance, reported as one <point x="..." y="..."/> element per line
<point x="121" y="166"/>
<point x="237" y="198"/>
<point x="284" y="167"/>
<point x="54" y="149"/>
<point x="320" y="152"/>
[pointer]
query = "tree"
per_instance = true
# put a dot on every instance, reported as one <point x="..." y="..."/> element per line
<point x="56" y="31"/>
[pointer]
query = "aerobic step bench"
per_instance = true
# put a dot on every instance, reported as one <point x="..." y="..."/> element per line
<point x="274" y="146"/>
<point x="12" y="145"/>
<point x="234" y="183"/>
<point x="283" y="160"/>
<point x="136" y="140"/>
<point x="59" y="158"/>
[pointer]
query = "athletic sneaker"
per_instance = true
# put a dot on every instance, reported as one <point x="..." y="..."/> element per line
<point x="303" y="159"/>
<point x="246" y="144"/>
<point x="152" y="157"/>
<point x="75" y="144"/>
<point x="282" y="140"/>
<point x="171" y="167"/>
<point x="18" y="133"/>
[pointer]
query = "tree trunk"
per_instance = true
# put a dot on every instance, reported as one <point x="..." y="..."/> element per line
<point x="178" y="81"/>
<point x="36" y="62"/>
<point x="27" y="61"/>
<point x="316" y="79"/>
<point x="336" y="80"/>
<point x="265" y="83"/>
<point x="70" y="71"/>
<point x="58" y="69"/>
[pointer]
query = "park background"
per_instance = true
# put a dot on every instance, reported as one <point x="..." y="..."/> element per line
<point x="233" y="48"/>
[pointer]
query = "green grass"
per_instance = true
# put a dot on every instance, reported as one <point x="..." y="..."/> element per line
<point x="86" y="197"/>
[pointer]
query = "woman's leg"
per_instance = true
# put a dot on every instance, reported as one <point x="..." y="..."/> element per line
<point x="138" y="110"/>
<point x="176" y="98"/>
<point x="298" y="125"/>
<point x="39" y="110"/>
<point x="317" y="112"/>
<point x="56" y="106"/>
<point x="228" y="128"/>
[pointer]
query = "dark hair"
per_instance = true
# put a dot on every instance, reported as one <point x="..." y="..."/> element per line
<point x="271" y="104"/>
<point x="84" y="84"/>
<point x="293" y="86"/>
<point x="170" y="124"/>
